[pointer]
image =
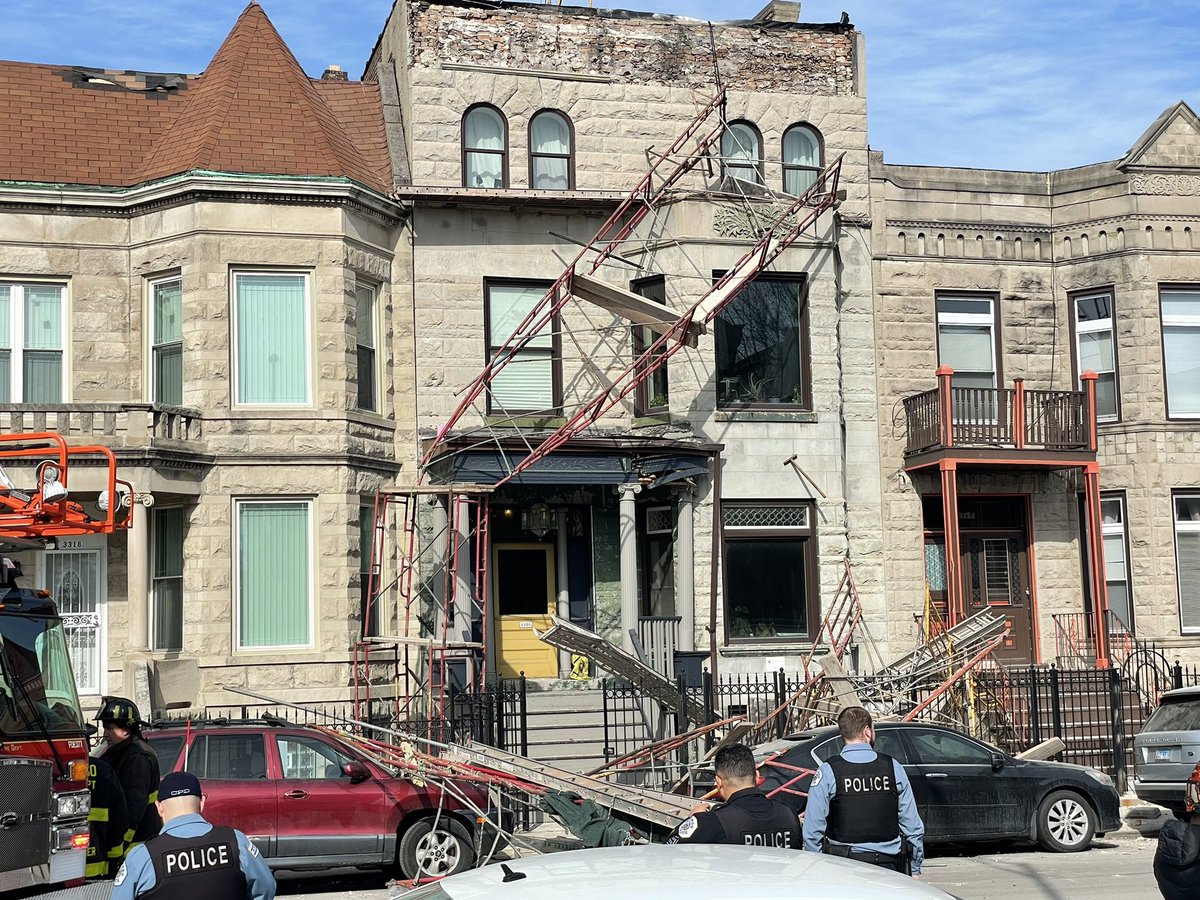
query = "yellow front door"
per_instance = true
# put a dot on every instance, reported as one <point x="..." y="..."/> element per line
<point x="523" y="597"/>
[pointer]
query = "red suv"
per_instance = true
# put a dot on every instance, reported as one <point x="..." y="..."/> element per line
<point x="311" y="801"/>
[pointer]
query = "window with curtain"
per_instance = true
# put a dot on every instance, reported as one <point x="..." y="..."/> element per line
<point x="167" y="581"/>
<point x="1116" y="551"/>
<point x="966" y="340"/>
<point x="274" y="584"/>
<point x="770" y="570"/>
<point x="272" y="338"/>
<point x="741" y="152"/>
<point x="653" y="395"/>
<point x="485" y="148"/>
<point x="166" y="350"/>
<point x="528" y="383"/>
<point x="1187" y="560"/>
<point x="1095" y="350"/>
<point x="762" y="345"/>
<point x="801" y="159"/>
<point x="31" y="342"/>
<point x="364" y="320"/>
<point x="1181" y="351"/>
<point x="551" y="166"/>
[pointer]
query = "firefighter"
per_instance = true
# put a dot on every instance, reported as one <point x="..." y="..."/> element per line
<point x="747" y="817"/>
<point x="860" y="803"/>
<point x="192" y="859"/>
<point x="136" y="767"/>
<point x="107" y="820"/>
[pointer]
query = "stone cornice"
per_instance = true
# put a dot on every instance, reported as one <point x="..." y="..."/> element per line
<point x="1062" y="228"/>
<point x="194" y="186"/>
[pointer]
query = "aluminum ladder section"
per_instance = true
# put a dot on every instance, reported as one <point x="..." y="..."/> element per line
<point x="982" y="625"/>
<point x="664" y="810"/>
<point x="570" y="637"/>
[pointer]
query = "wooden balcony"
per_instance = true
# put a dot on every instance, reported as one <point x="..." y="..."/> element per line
<point x="1011" y="425"/>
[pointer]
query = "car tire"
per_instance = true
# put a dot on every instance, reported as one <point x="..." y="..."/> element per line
<point x="1065" y="822"/>
<point x="428" y="853"/>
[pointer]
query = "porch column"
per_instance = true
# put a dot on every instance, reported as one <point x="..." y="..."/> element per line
<point x="137" y="581"/>
<point x="562" y="573"/>
<point x="629" y="592"/>
<point x="956" y="607"/>
<point x="1095" y="551"/>
<point x="440" y="554"/>
<point x="685" y="570"/>
<point x="464" y="611"/>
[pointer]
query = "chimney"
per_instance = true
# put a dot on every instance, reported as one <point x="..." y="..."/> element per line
<point x="334" y="73"/>
<point x="779" y="11"/>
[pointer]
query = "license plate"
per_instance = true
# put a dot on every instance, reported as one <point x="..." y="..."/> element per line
<point x="1163" y="755"/>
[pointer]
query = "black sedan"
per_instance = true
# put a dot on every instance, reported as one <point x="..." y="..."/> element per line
<point x="966" y="790"/>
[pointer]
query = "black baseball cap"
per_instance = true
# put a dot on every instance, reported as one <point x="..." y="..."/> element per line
<point x="179" y="784"/>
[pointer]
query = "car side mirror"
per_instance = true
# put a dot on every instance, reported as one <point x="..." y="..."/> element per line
<point x="997" y="762"/>
<point x="355" y="771"/>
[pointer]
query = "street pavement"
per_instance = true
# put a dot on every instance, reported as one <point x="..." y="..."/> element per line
<point x="1117" y="869"/>
<point x="1112" y="869"/>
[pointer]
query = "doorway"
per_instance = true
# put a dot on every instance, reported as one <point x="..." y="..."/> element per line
<point x="523" y="590"/>
<point x="994" y="558"/>
<point x="74" y="574"/>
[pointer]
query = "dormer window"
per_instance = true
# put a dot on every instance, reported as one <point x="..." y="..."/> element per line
<point x="551" y="160"/>
<point x="801" y="159"/>
<point x="485" y="148"/>
<point x="741" y="152"/>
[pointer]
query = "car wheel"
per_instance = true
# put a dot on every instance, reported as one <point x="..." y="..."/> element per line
<point x="1065" y="823"/>
<point x="428" y="853"/>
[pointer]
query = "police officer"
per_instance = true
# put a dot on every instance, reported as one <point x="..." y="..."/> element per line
<point x="860" y="804"/>
<point x="107" y="820"/>
<point x="748" y="817"/>
<point x="192" y="859"/>
<point x="135" y="764"/>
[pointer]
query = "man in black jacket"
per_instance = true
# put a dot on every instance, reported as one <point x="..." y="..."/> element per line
<point x="107" y="820"/>
<point x="1177" y="860"/>
<point x="748" y="817"/>
<point x="136" y="767"/>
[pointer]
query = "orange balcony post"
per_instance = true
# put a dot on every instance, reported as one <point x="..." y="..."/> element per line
<point x="1095" y="552"/>
<point x="945" y="406"/>
<point x="1019" y="413"/>
<point x="1089" y="387"/>
<point x="955" y="602"/>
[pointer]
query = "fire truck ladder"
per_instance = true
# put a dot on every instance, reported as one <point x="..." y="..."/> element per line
<point x="33" y="517"/>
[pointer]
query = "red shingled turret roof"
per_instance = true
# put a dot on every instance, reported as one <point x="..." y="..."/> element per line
<point x="253" y="111"/>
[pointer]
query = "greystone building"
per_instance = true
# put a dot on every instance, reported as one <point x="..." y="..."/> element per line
<point x="270" y="306"/>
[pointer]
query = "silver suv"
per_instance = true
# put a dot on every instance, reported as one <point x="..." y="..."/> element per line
<point x="1167" y="749"/>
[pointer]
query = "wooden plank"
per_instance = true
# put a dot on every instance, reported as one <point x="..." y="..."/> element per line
<point x="628" y="305"/>
<point x="1046" y="749"/>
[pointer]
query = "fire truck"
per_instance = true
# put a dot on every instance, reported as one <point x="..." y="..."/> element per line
<point x="44" y="800"/>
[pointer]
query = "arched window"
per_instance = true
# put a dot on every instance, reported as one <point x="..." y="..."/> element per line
<point x="551" y="152"/>
<point x="485" y="148"/>
<point x="801" y="159"/>
<point x="741" y="152"/>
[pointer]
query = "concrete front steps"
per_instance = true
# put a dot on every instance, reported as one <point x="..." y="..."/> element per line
<point x="566" y="723"/>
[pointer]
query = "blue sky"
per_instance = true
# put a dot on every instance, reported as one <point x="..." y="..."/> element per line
<point x="1010" y="84"/>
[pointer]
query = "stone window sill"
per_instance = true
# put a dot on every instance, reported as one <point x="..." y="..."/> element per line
<point x="799" y="416"/>
<point x="525" y="421"/>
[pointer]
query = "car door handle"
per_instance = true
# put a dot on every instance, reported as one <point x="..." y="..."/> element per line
<point x="936" y="775"/>
<point x="296" y="795"/>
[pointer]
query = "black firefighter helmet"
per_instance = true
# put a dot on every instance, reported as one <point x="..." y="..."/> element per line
<point x="120" y="711"/>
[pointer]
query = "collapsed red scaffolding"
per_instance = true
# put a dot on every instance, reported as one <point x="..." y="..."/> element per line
<point x="792" y="217"/>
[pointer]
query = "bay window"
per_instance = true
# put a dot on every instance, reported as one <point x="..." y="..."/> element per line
<point x="529" y="381"/>
<point x="271" y="339"/>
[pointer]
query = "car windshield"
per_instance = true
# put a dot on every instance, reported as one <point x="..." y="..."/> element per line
<point x="37" y="685"/>
<point x="1175" y="715"/>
